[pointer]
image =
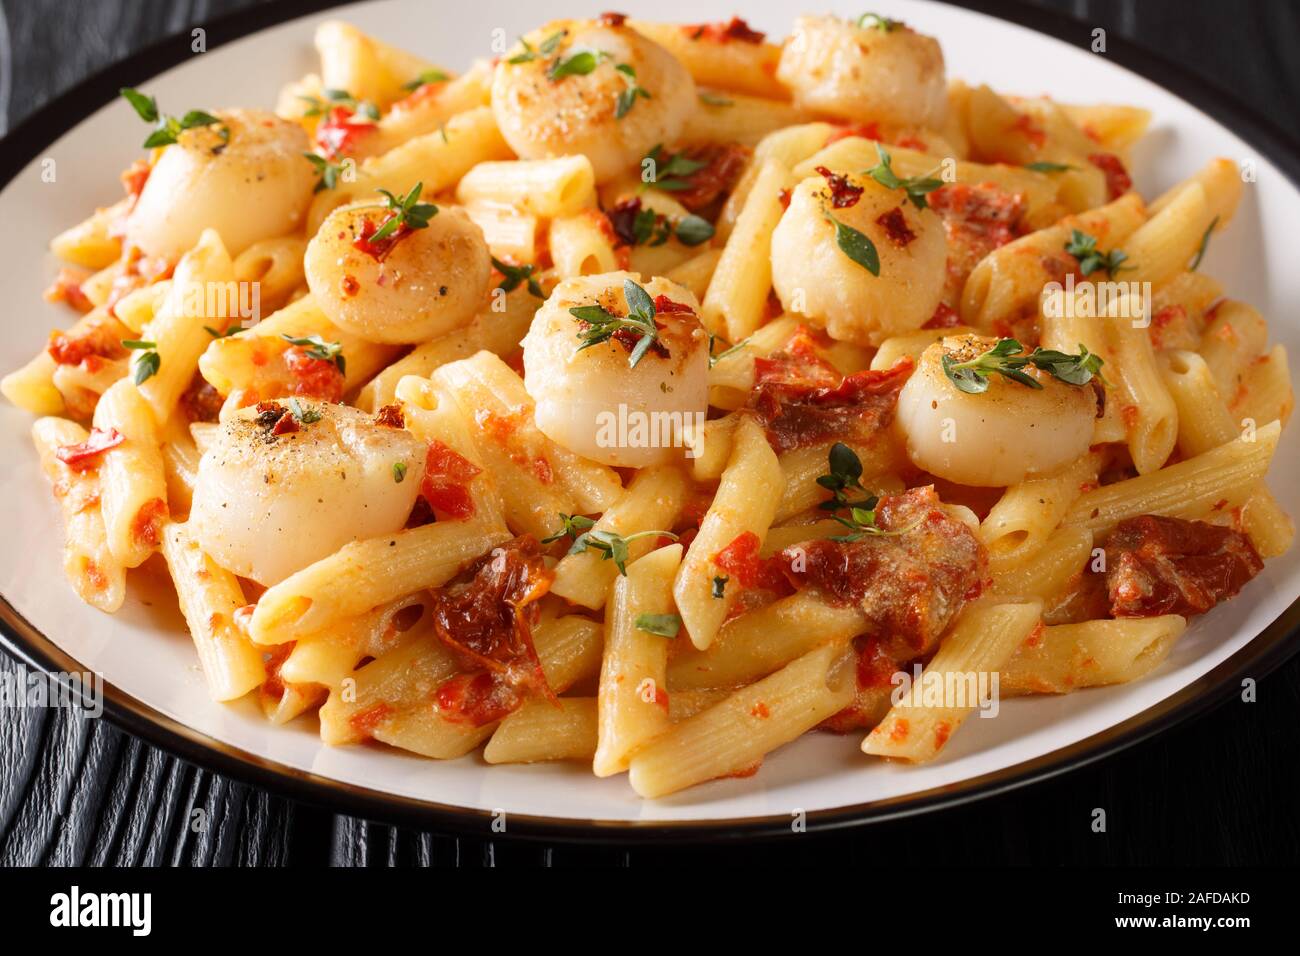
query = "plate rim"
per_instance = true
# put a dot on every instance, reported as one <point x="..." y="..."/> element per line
<point x="1272" y="647"/>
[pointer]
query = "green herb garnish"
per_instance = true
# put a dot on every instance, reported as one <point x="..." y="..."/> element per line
<point x="514" y="275"/>
<point x="404" y="211"/>
<point x="1008" y="359"/>
<point x="727" y="352"/>
<point x="307" y="416"/>
<point x="693" y="230"/>
<point x="428" y="76"/>
<point x="333" y="98"/>
<point x="856" y="245"/>
<point x="845" y="474"/>
<point x="1205" y="244"/>
<point x="665" y="625"/>
<point x="571" y="526"/>
<point x="547" y="47"/>
<point x="876" y="22"/>
<point x="329" y="172"/>
<point x="719" y="587"/>
<point x="860" y="522"/>
<point x="167" y="129"/>
<point x="146" y="361"/>
<point x="634" y="90"/>
<point x="670" y="174"/>
<point x="1044" y="167"/>
<point x="1084" y="248"/>
<point x="916" y="187"/>
<point x="601" y="325"/>
<point x="399" y="471"/>
<point x="576" y="64"/>
<point x="318" y="348"/>
<point x="613" y="547"/>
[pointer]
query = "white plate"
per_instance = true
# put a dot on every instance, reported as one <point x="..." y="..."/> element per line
<point x="145" y="655"/>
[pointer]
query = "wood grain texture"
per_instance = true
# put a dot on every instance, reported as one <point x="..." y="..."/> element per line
<point x="1218" y="790"/>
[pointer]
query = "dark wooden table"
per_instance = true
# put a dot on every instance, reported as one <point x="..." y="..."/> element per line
<point x="1221" y="789"/>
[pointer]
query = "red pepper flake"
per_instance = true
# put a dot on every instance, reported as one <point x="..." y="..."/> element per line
<point x="339" y="132"/>
<point x="273" y="688"/>
<point x="942" y="730"/>
<point x="477" y="698"/>
<point x="612" y="19"/>
<point x="268" y="413"/>
<point x="147" y="526"/>
<point x="945" y="317"/>
<point x="724" y="31"/>
<point x="760" y="710"/>
<point x="85" y="455"/>
<point x="542" y="469"/>
<point x="1163" y="320"/>
<point x="364" y="722"/>
<point x="286" y="425"/>
<point x="66" y="287"/>
<point x="98" y="579"/>
<point x="390" y="416"/>
<point x="741" y="561"/>
<point x="1118" y="181"/>
<point x="1030" y="130"/>
<point x="200" y="401"/>
<point x="349" y="285"/>
<point x="134" y="177"/>
<point x="899" y="732"/>
<point x="896" y="228"/>
<point x="91" y="339"/>
<point x="447" y="475"/>
<point x="379" y="249"/>
<point x="843" y="193"/>
<point x="666" y="306"/>
<point x="313" y="377"/>
<point x="783" y="197"/>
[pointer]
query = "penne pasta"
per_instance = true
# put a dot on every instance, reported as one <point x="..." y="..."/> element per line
<point x="979" y="646"/>
<point x="95" y="574"/>
<point x="745" y="504"/>
<point x="209" y="597"/>
<point x="632" y="702"/>
<point x="734" y="735"/>
<point x="1068" y="657"/>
